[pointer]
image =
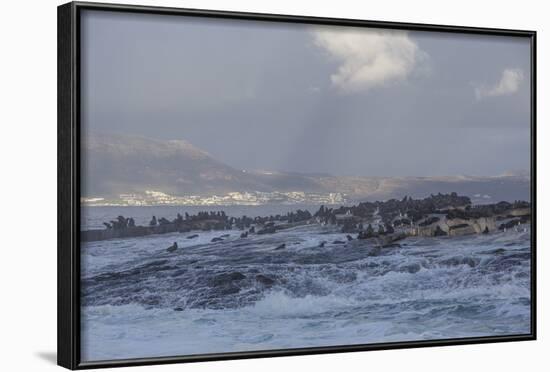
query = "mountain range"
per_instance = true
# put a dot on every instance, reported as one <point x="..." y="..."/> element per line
<point x="113" y="164"/>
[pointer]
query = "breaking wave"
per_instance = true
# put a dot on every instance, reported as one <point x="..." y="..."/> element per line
<point x="244" y="294"/>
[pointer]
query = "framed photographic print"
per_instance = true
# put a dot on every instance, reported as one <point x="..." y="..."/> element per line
<point x="237" y="185"/>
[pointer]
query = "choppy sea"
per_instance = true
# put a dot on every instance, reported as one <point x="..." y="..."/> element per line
<point x="138" y="300"/>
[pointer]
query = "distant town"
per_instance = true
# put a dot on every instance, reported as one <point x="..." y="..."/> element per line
<point x="155" y="198"/>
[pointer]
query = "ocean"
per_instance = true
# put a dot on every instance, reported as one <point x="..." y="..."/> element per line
<point x="93" y="217"/>
<point x="138" y="300"/>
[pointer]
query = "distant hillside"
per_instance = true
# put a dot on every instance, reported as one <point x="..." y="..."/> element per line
<point x="116" y="164"/>
<point x="479" y="189"/>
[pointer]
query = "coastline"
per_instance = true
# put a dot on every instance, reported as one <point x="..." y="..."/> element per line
<point x="392" y="220"/>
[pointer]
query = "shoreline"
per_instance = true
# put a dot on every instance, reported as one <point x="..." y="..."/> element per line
<point x="437" y="215"/>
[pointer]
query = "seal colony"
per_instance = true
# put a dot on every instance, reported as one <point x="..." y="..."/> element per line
<point x="387" y="221"/>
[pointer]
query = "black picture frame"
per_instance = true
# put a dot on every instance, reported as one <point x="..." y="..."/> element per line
<point x="68" y="321"/>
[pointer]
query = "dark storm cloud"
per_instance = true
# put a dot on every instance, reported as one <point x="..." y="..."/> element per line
<point x="297" y="98"/>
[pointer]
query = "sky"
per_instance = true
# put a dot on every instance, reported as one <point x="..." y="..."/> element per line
<point x="309" y="98"/>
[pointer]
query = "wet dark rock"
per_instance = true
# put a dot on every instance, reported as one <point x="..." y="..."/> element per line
<point x="193" y="236"/>
<point x="349" y="227"/>
<point x="417" y="214"/>
<point x="267" y="281"/>
<point x="439" y="232"/>
<point x="349" y="237"/>
<point x="280" y="246"/>
<point x="214" y="240"/>
<point x="152" y="300"/>
<point x="338" y="242"/>
<point x="178" y="309"/>
<point x="428" y="221"/>
<point x="322" y="244"/>
<point x="397" y="237"/>
<point x="486" y="210"/>
<point x="224" y="236"/>
<point x="412" y="268"/>
<point x="459" y="226"/>
<point x="402" y="222"/>
<point x="370" y="230"/>
<point x="495" y="251"/>
<point x="244" y="235"/>
<point x="225" y="278"/>
<point x="486" y="231"/>
<point x="267" y="230"/>
<point x="509" y="224"/>
<point x="252" y="230"/>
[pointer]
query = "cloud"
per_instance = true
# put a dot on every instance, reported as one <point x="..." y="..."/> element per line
<point x="508" y="84"/>
<point x="368" y="58"/>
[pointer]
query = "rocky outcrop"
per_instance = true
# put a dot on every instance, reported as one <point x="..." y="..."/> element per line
<point x="225" y="279"/>
<point x="456" y="226"/>
<point x="437" y="215"/>
<point x="461" y="229"/>
<point x="439" y="231"/>
<point x="265" y="280"/>
<point x="138" y="231"/>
